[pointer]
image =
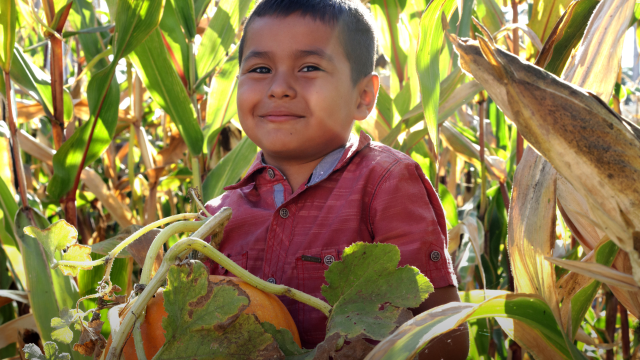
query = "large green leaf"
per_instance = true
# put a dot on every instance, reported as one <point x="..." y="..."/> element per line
<point x="103" y="95"/>
<point x="37" y="83"/>
<point x="531" y="310"/>
<point x="82" y="18"/>
<point x="490" y="15"/>
<point x="159" y="76"/>
<point x="362" y="309"/>
<point x="222" y="100"/>
<point x="205" y="319"/>
<point x="186" y="17"/>
<point x="386" y="14"/>
<point x="135" y="20"/>
<point x="229" y="169"/>
<point x="219" y="35"/>
<point x="173" y="36"/>
<point x="449" y="204"/>
<point x="427" y="62"/>
<point x="7" y="32"/>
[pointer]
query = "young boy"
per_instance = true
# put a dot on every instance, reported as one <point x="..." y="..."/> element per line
<point x="306" y="73"/>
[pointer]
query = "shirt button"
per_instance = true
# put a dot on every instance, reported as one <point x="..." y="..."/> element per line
<point x="284" y="213"/>
<point x="271" y="280"/>
<point x="271" y="174"/>
<point x="435" y="256"/>
<point x="329" y="259"/>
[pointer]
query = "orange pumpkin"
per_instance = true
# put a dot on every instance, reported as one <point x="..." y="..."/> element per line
<point x="266" y="307"/>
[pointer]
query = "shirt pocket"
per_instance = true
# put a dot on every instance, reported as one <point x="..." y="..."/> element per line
<point x="310" y="267"/>
<point x="240" y="259"/>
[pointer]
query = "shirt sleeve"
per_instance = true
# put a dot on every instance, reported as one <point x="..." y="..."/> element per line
<point x="406" y="211"/>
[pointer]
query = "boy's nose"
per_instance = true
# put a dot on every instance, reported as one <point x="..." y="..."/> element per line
<point x="282" y="88"/>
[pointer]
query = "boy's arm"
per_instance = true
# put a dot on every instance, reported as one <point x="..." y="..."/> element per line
<point x="452" y="345"/>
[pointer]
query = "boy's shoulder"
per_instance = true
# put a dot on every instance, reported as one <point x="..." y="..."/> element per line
<point x="382" y="159"/>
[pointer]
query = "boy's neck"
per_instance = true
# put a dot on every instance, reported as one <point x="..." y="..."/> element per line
<point x="296" y="171"/>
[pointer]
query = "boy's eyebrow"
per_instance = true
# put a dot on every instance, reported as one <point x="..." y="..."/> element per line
<point x="299" y="54"/>
<point x="257" y="54"/>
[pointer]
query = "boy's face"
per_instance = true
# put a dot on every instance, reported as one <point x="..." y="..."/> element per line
<point x="296" y="99"/>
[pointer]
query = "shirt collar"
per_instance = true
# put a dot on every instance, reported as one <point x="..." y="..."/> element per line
<point x="330" y="163"/>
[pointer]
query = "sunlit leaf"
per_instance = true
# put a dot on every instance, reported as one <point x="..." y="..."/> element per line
<point x="51" y="352"/>
<point x="229" y="169"/>
<point x="186" y="17"/>
<point x="222" y="100"/>
<point x="76" y="252"/>
<point x="427" y="65"/>
<point x="7" y="33"/>
<point x="54" y="238"/>
<point x="159" y="76"/>
<point x="219" y="35"/>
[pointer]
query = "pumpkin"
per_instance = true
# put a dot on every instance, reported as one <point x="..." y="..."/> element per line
<point x="266" y="307"/>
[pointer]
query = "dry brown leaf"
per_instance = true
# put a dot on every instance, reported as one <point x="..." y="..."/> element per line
<point x="575" y="131"/>
<point x="599" y="272"/>
<point x="9" y="330"/>
<point x="532" y="228"/>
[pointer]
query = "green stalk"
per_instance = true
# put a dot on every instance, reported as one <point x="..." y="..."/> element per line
<point x="175" y="228"/>
<point x="195" y="168"/>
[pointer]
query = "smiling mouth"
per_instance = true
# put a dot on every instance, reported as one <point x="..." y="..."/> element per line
<point x="280" y="116"/>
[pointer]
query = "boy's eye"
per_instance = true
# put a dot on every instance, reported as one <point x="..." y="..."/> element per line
<point x="260" y="70"/>
<point x="309" y="68"/>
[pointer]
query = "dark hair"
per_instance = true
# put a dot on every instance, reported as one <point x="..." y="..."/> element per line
<point x="352" y="19"/>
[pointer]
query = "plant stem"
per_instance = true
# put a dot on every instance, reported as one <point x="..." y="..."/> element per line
<point x="137" y="337"/>
<point x="175" y="228"/>
<point x="483" y="166"/>
<point x="624" y="330"/>
<point x="195" y="168"/>
<point x="22" y="181"/>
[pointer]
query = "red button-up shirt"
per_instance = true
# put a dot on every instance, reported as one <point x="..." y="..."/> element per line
<point x="364" y="192"/>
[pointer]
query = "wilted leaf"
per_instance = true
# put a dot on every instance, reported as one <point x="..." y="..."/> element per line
<point x="576" y="132"/>
<point x="54" y="238"/>
<point x="361" y="310"/>
<point x="32" y="351"/>
<point x="599" y="272"/>
<point x="91" y="342"/>
<point x="206" y="321"/>
<point x="532" y="225"/>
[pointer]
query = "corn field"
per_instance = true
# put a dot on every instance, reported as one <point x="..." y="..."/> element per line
<point x="519" y="112"/>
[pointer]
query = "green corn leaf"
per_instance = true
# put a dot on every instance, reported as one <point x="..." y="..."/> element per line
<point x="135" y="20"/>
<point x="200" y="6"/>
<point x="8" y="209"/>
<point x="45" y="284"/>
<point x="360" y="309"/>
<point x="569" y="34"/>
<point x="159" y="76"/>
<point x="186" y="17"/>
<point x="37" y="83"/>
<point x="386" y="14"/>
<point x="490" y="15"/>
<point x="450" y="206"/>
<point x="530" y="310"/>
<point x="229" y="169"/>
<point x="222" y="100"/>
<point x="174" y="37"/>
<point x="7" y="32"/>
<point x="427" y="62"/>
<point x="544" y="15"/>
<point x="82" y="17"/>
<point x="582" y="300"/>
<point x="201" y="312"/>
<point x="6" y="312"/>
<point x="103" y="95"/>
<point x="217" y="38"/>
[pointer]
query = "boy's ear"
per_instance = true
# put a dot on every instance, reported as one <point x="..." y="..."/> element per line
<point x="367" y="94"/>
